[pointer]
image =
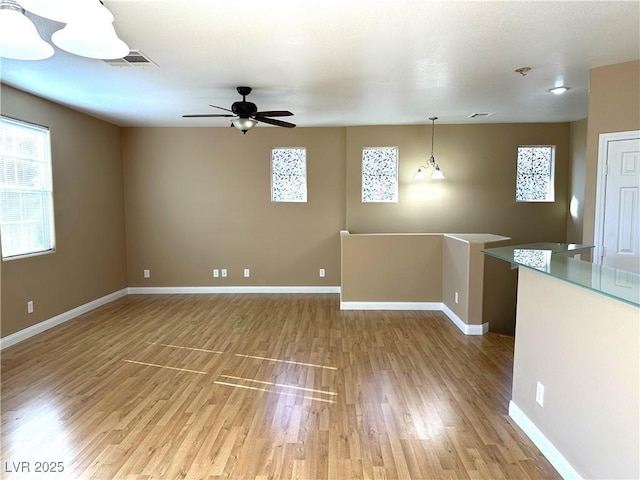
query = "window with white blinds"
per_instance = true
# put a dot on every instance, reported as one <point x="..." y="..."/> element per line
<point x="26" y="191"/>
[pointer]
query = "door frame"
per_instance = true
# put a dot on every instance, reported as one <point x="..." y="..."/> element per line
<point x="601" y="186"/>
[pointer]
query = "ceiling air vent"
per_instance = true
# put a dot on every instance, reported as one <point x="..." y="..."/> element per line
<point x="480" y="115"/>
<point x="135" y="58"/>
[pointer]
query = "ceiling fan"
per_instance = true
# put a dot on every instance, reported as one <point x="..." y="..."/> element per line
<point x="247" y="115"/>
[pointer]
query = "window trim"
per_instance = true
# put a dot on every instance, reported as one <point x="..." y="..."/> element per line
<point x="49" y="161"/>
<point x="551" y="194"/>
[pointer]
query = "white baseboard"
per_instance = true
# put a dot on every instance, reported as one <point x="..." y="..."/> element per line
<point x="59" y="319"/>
<point x="433" y="306"/>
<point x="390" y="306"/>
<point x="66" y="316"/>
<point x="230" y="289"/>
<point x="552" y="454"/>
<point x="466" y="329"/>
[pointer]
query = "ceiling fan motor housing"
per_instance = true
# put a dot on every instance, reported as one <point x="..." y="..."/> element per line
<point x="244" y="109"/>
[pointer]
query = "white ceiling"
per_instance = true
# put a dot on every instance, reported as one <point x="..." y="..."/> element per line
<point x="342" y="62"/>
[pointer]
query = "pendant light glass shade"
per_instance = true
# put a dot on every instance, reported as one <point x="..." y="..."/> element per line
<point x="93" y="40"/>
<point x="437" y="173"/>
<point x="19" y="38"/>
<point x="90" y="33"/>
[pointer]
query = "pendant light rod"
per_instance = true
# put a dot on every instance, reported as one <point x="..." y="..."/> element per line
<point x="433" y="130"/>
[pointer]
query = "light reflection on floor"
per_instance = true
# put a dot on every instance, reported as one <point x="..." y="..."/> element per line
<point x="165" y="366"/>
<point x="286" y="361"/>
<point x="44" y="431"/>
<point x="324" y="392"/>
<point x="184" y="348"/>
<point x="287" y="394"/>
<point x="276" y="390"/>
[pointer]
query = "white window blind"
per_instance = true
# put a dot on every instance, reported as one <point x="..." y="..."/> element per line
<point x="26" y="192"/>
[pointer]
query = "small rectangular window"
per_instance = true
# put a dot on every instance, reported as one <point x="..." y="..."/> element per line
<point x="380" y="174"/>
<point x="26" y="189"/>
<point x="289" y="175"/>
<point x="534" y="173"/>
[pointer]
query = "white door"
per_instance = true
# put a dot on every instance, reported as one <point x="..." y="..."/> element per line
<point x="619" y="226"/>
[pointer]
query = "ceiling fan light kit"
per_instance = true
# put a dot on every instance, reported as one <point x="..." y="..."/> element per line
<point x="244" y="124"/>
<point x="89" y="30"/>
<point x="245" y="115"/>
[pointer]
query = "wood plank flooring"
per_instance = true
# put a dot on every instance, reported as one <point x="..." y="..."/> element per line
<point x="261" y="387"/>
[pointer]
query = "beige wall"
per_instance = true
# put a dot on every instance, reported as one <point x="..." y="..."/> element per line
<point x="499" y="294"/>
<point x="392" y="268"/>
<point x="455" y="277"/>
<point x="614" y="106"/>
<point x="481" y="298"/>
<point x="584" y="348"/>
<point x="200" y="198"/>
<point x="423" y="268"/>
<point x="89" y="261"/>
<point x="577" y="172"/>
<point x="478" y="194"/>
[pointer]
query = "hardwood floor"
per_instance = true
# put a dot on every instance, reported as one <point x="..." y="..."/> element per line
<point x="257" y="387"/>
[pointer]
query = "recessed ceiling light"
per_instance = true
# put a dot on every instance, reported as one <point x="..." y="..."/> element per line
<point x="558" y="90"/>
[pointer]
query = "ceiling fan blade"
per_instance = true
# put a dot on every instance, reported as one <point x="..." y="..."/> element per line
<point x="207" y="115"/>
<point x="273" y="121"/>
<point x="275" y="113"/>
<point x="221" y="108"/>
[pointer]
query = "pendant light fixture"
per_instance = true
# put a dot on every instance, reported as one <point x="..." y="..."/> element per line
<point x="88" y="32"/>
<point x="19" y="39"/>
<point x="437" y="173"/>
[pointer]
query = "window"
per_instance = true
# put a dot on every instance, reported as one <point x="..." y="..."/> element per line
<point x="289" y="175"/>
<point x="534" y="176"/>
<point x="26" y="196"/>
<point x="380" y="174"/>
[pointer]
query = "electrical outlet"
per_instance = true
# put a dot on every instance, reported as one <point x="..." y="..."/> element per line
<point x="216" y="272"/>
<point x="455" y="297"/>
<point x="224" y="273"/>
<point x="30" y="306"/>
<point x="540" y="394"/>
<point x="322" y="272"/>
<point x="247" y="273"/>
<point x="146" y="274"/>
